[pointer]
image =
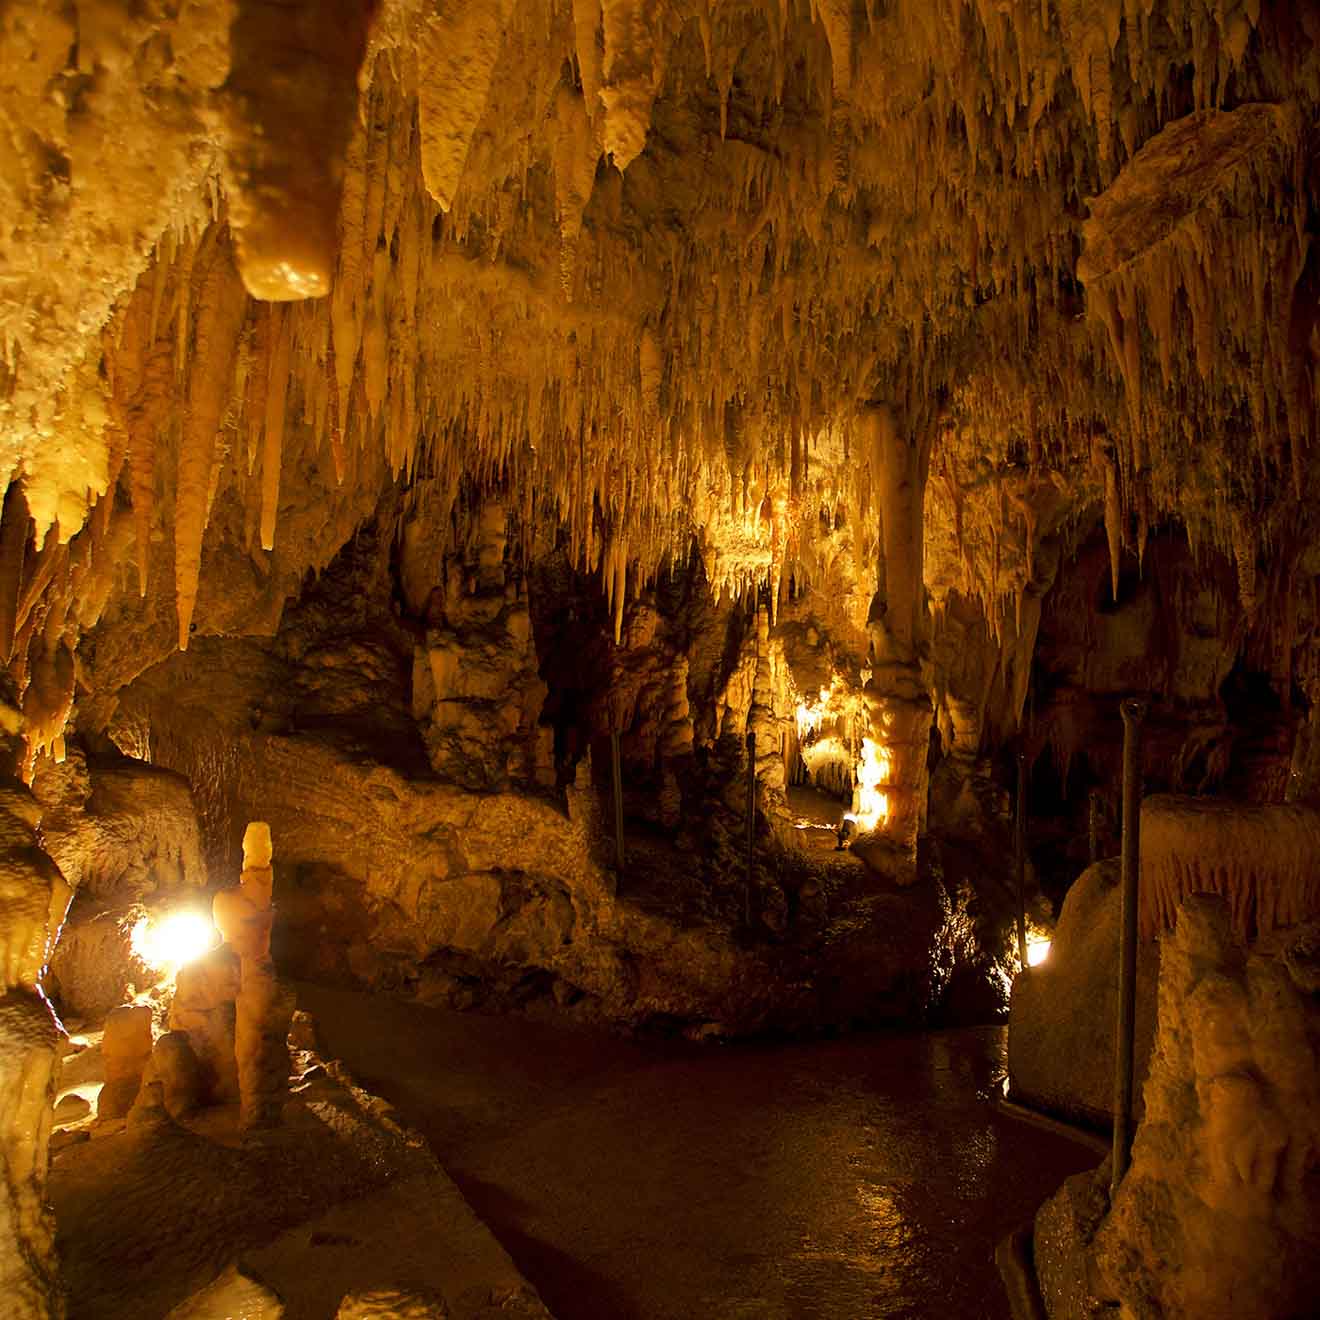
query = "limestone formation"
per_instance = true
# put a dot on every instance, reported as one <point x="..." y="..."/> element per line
<point x="392" y="1304"/>
<point x="1218" y="1215"/>
<point x="1059" y="1059"/>
<point x="28" y="1272"/>
<point x="404" y="406"/>
<point x="34" y="898"/>
<point x="231" y="1296"/>
<point x="127" y="837"/>
<point x="1260" y="859"/>
<point x="176" y="1067"/>
<point x="126" y="1050"/>
<point x="263" y="1010"/>
<point x="203" y="1008"/>
<point x="263" y="1006"/>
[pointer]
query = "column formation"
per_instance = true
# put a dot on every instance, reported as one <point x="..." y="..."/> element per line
<point x="263" y="1007"/>
<point x="897" y="695"/>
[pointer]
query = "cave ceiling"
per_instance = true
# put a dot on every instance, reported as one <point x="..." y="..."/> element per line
<point x="639" y="266"/>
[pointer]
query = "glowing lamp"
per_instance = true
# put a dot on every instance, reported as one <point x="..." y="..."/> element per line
<point x="172" y="941"/>
<point x="1038" y="949"/>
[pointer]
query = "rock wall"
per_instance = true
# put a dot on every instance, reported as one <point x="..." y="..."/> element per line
<point x="402" y="866"/>
<point x="1063" y="1017"/>
<point x="126" y="837"/>
<point x="33" y="900"/>
<point x="1216" y="1215"/>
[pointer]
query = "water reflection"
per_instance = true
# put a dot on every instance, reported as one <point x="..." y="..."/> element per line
<point x="867" y="1178"/>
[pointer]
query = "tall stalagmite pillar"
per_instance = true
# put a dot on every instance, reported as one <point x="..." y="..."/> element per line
<point x="897" y="697"/>
<point x="761" y="717"/>
<point x="264" y="1005"/>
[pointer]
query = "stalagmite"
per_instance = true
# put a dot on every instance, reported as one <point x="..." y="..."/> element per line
<point x="33" y="900"/>
<point x="761" y="717"/>
<point x="175" y="1066"/>
<point x="29" y="1034"/>
<point x="898" y="704"/>
<point x="203" y="1009"/>
<point x="263" y="1005"/>
<point x="126" y="1049"/>
<point x="1220" y="1201"/>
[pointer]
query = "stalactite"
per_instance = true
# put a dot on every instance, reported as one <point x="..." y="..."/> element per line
<point x="635" y="36"/>
<point x="728" y="304"/>
<point x="221" y="306"/>
<point x="46" y="705"/>
<point x="1258" y="858"/>
<point x="281" y="331"/>
<point x="286" y="135"/>
<point x="456" y="58"/>
<point x="14" y="531"/>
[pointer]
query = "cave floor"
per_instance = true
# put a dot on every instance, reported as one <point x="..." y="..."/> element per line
<point x="869" y="1176"/>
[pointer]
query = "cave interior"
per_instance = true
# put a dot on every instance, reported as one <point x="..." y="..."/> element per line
<point x="589" y="567"/>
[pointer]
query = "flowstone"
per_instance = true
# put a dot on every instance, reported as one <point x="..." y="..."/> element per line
<point x="1218" y="1216"/>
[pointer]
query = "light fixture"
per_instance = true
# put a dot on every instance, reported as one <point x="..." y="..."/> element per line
<point x="1038" y="949"/>
<point x="174" y="939"/>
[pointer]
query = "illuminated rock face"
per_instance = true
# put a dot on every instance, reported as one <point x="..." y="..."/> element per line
<point x="126" y="1049"/>
<point x="1061" y="1059"/>
<point x="28" y="1273"/>
<point x="203" y="1008"/>
<point x="582" y="252"/>
<point x="126" y="836"/>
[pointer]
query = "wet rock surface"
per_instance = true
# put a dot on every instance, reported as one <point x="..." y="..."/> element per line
<point x="188" y="1218"/>
<point x="1216" y="1215"/>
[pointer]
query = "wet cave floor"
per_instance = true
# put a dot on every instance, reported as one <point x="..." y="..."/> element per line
<point x="869" y="1176"/>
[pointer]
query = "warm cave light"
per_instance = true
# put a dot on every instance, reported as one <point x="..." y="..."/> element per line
<point x="172" y="941"/>
<point x="809" y="715"/>
<point x="1038" y="949"/>
<point x="871" y="804"/>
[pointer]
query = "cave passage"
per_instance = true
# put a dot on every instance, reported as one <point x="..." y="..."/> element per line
<point x="861" y="1177"/>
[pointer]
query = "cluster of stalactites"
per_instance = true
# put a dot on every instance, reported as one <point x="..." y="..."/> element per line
<point x="1202" y="243"/>
<point x="804" y="224"/>
<point x="1257" y="858"/>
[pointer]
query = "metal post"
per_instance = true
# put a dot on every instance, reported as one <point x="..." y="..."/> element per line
<point x="751" y="823"/>
<point x="1134" y="712"/>
<point x="1020" y="855"/>
<point x="618" y="800"/>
